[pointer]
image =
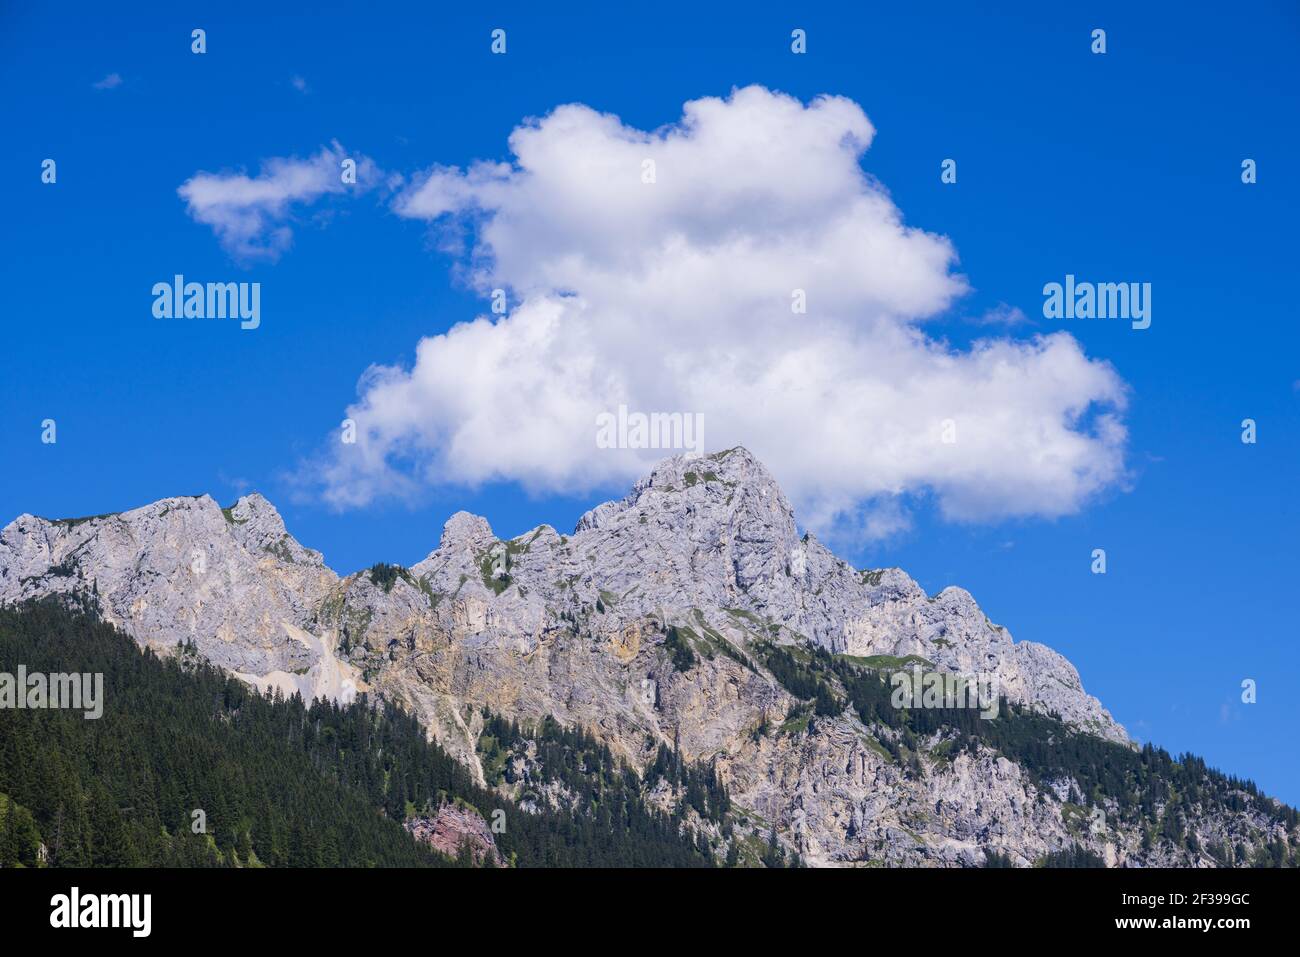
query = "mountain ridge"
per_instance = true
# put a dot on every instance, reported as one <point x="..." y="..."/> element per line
<point x="686" y="614"/>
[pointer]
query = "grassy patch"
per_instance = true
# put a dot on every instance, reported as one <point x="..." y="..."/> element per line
<point x="713" y="640"/>
<point x="748" y="616"/>
<point x="433" y="596"/>
<point x="886" y="662"/>
<point x="871" y="742"/>
<point x="486" y="565"/>
<point x="229" y="514"/>
<point x="796" y="725"/>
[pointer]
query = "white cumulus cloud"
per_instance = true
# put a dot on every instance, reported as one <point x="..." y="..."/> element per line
<point x="676" y="296"/>
<point x="250" y="214"/>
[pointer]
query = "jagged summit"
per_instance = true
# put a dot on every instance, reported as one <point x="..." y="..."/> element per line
<point x="259" y="527"/>
<point x="466" y="529"/>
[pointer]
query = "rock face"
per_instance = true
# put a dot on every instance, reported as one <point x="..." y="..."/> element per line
<point x="704" y="550"/>
<point x="456" y="827"/>
<point x="233" y="581"/>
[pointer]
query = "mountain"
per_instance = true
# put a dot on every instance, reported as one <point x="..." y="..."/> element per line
<point x="689" y="619"/>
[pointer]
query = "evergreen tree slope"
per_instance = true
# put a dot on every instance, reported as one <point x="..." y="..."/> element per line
<point x="280" y="782"/>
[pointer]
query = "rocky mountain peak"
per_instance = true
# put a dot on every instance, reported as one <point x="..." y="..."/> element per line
<point x="466" y="530"/>
<point x="707" y="498"/>
<point x="736" y="464"/>
<point x="255" y="506"/>
<point x="737" y="469"/>
<point x="258" y="526"/>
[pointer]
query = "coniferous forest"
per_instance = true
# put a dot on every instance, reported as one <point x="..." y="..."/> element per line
<point x="280" y="782"/>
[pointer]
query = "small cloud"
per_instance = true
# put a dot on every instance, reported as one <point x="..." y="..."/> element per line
<point x="110" y="82"/>
<point x="1002" y="315"/>
<point x="299" y="83"/>
<point x="250" y="214"/>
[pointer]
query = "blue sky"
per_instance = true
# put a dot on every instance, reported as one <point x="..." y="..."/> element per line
<point x="1117" y="167"/>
